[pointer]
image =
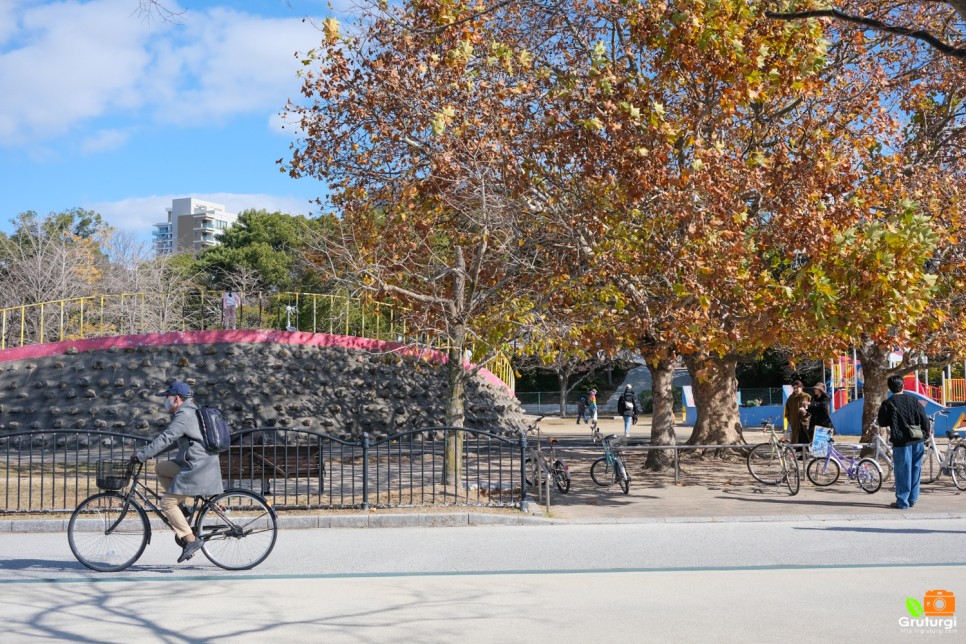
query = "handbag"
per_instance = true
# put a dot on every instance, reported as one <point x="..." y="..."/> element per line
<point x="915" y="432"/>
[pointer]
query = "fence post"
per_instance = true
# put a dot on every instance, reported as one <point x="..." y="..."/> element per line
<point x="365" y="470"/>
<point x="676" y="468"/>
<point x="524" y="502"/>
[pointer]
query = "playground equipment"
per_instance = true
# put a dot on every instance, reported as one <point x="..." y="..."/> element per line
<point x="846" y="380"/>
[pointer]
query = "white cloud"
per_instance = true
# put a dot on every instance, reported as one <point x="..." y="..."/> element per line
<point x="8" y="22"/>
<point x="138" y="215"/>
<point x="104" y="140"/>
<point x="74" y="62"/>
<point x="69" y="63"/>
<point x="231" y="63"/>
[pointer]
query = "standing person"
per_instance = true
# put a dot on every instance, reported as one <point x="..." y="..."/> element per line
<point x="592" y="405"/>
<point x="818" y="410"/>
<point x="795" y="414"/>
<point x="230" y="300"/>
<point x="582" y="409"/>
<point x="192" y="472"/>
<point x="627" y="407"/>
<point x="908" y="427"/>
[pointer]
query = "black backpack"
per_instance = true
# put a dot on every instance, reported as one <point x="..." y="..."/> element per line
<point x="215" y="434"/>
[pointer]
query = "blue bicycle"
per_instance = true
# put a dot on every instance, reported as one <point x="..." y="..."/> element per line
<point x="610" y="468"/>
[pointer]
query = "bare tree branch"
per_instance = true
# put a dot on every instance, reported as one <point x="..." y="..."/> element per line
<point x="877" y="25"/>
<point x="147" y="9"/>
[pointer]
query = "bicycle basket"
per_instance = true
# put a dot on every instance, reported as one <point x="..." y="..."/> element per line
<point x="820" y="443"/>
<point x="113" y="475"/>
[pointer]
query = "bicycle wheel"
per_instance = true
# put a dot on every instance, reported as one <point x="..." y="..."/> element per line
<point x="239" y="530"/>
<point x="931" y="466"/>
<point x="603" y="473"/>
<point x="623" y="479"/>
<point x="94" y="546"/>
<point x="821" y="474"/>
<point x="561" y="477"/>
<point x="869" y="475"/>
<point x="532" y="471"/>
<point x="791" y="476"/>
<point x="885" y="465"/>
<point x="958" y="467"/>
<point x="764" y="463"/>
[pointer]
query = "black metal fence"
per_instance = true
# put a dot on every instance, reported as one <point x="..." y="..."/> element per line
<point x="51" y="471"/>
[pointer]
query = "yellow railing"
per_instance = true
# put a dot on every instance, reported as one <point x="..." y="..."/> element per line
<point x="843" y="374"/>
<point x="955" y="390"/>
<point x="132" y="313"/>
<point x="71" y="318"/>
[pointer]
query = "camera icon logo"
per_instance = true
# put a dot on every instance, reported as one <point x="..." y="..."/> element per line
<point x="939" y="603"/>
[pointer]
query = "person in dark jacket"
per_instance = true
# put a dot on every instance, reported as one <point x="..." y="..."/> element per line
<point x="818" y="410"/>
<point x="908" y="426"/>
<point x="582" y="410"/>
<point x="192" y="472"/>
<point x="627" y="407"/>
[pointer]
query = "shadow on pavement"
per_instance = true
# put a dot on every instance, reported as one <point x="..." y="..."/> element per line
<point x="885" y="530"/>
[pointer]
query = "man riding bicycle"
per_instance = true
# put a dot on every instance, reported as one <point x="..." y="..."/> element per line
<point x="192" y="472"/>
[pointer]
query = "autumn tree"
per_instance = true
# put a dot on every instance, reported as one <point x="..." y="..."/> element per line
<point x="420" y="125"/>
<point x="890" y="274"/>
<point x="704" y="130"/>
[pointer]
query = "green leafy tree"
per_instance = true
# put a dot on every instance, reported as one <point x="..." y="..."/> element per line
<point x="270" y="245"/>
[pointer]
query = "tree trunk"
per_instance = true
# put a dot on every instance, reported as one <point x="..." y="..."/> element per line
<point x="715" y="388"/>
<point x="455" y="416"/>
<point x="562" y="386"/>
<point x="875" y="372"/>
<point x="662" y="421"/>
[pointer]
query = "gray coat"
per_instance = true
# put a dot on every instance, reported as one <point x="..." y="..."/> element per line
<point x="200" y="473"/>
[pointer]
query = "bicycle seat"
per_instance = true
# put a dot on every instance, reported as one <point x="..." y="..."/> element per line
<point x="553" y="441"/>
<point x="956" y="434"/>
<point x="610" y="437"/>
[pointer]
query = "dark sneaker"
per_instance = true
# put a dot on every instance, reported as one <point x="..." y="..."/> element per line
<point x="190" y="549"/>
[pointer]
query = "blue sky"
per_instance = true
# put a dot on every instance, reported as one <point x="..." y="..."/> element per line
<point x="103" y="109"/>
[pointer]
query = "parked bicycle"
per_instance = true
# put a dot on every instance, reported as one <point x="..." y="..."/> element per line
<point x="610" y="468"/>
<point x="540" y="462"/>
<point x="952" y="462"/>
<point x="774" y="462"/>
<point x="109" y="530"/>
<point x="883" y="454"/>
<point x="825" y="470"/>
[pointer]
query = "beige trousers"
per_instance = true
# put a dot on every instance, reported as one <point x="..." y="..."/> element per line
<point x="166" y="471"/>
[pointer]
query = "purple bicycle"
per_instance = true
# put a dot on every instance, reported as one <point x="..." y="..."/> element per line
<point x="824" y="470"/>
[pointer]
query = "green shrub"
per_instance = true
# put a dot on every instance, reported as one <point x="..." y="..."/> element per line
<point x="647" y="402"/>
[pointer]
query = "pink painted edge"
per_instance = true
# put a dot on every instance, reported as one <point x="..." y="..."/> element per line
<point x="245" y="335"/>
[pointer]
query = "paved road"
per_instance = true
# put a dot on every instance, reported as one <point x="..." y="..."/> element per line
<point x="580" y="583"/>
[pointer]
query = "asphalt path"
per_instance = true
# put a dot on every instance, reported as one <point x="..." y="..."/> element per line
<point x="727" y="582"/>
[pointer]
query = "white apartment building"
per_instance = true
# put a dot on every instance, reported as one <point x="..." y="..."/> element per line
<point x="193" y="225"/>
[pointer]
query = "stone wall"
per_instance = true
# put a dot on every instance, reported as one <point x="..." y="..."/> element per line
<point x="332" y="390"/>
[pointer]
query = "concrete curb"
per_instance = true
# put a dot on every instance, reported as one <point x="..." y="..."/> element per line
<point x="456" y="519"/>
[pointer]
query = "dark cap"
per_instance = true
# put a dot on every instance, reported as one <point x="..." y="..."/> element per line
<point x="178" y="388"/>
